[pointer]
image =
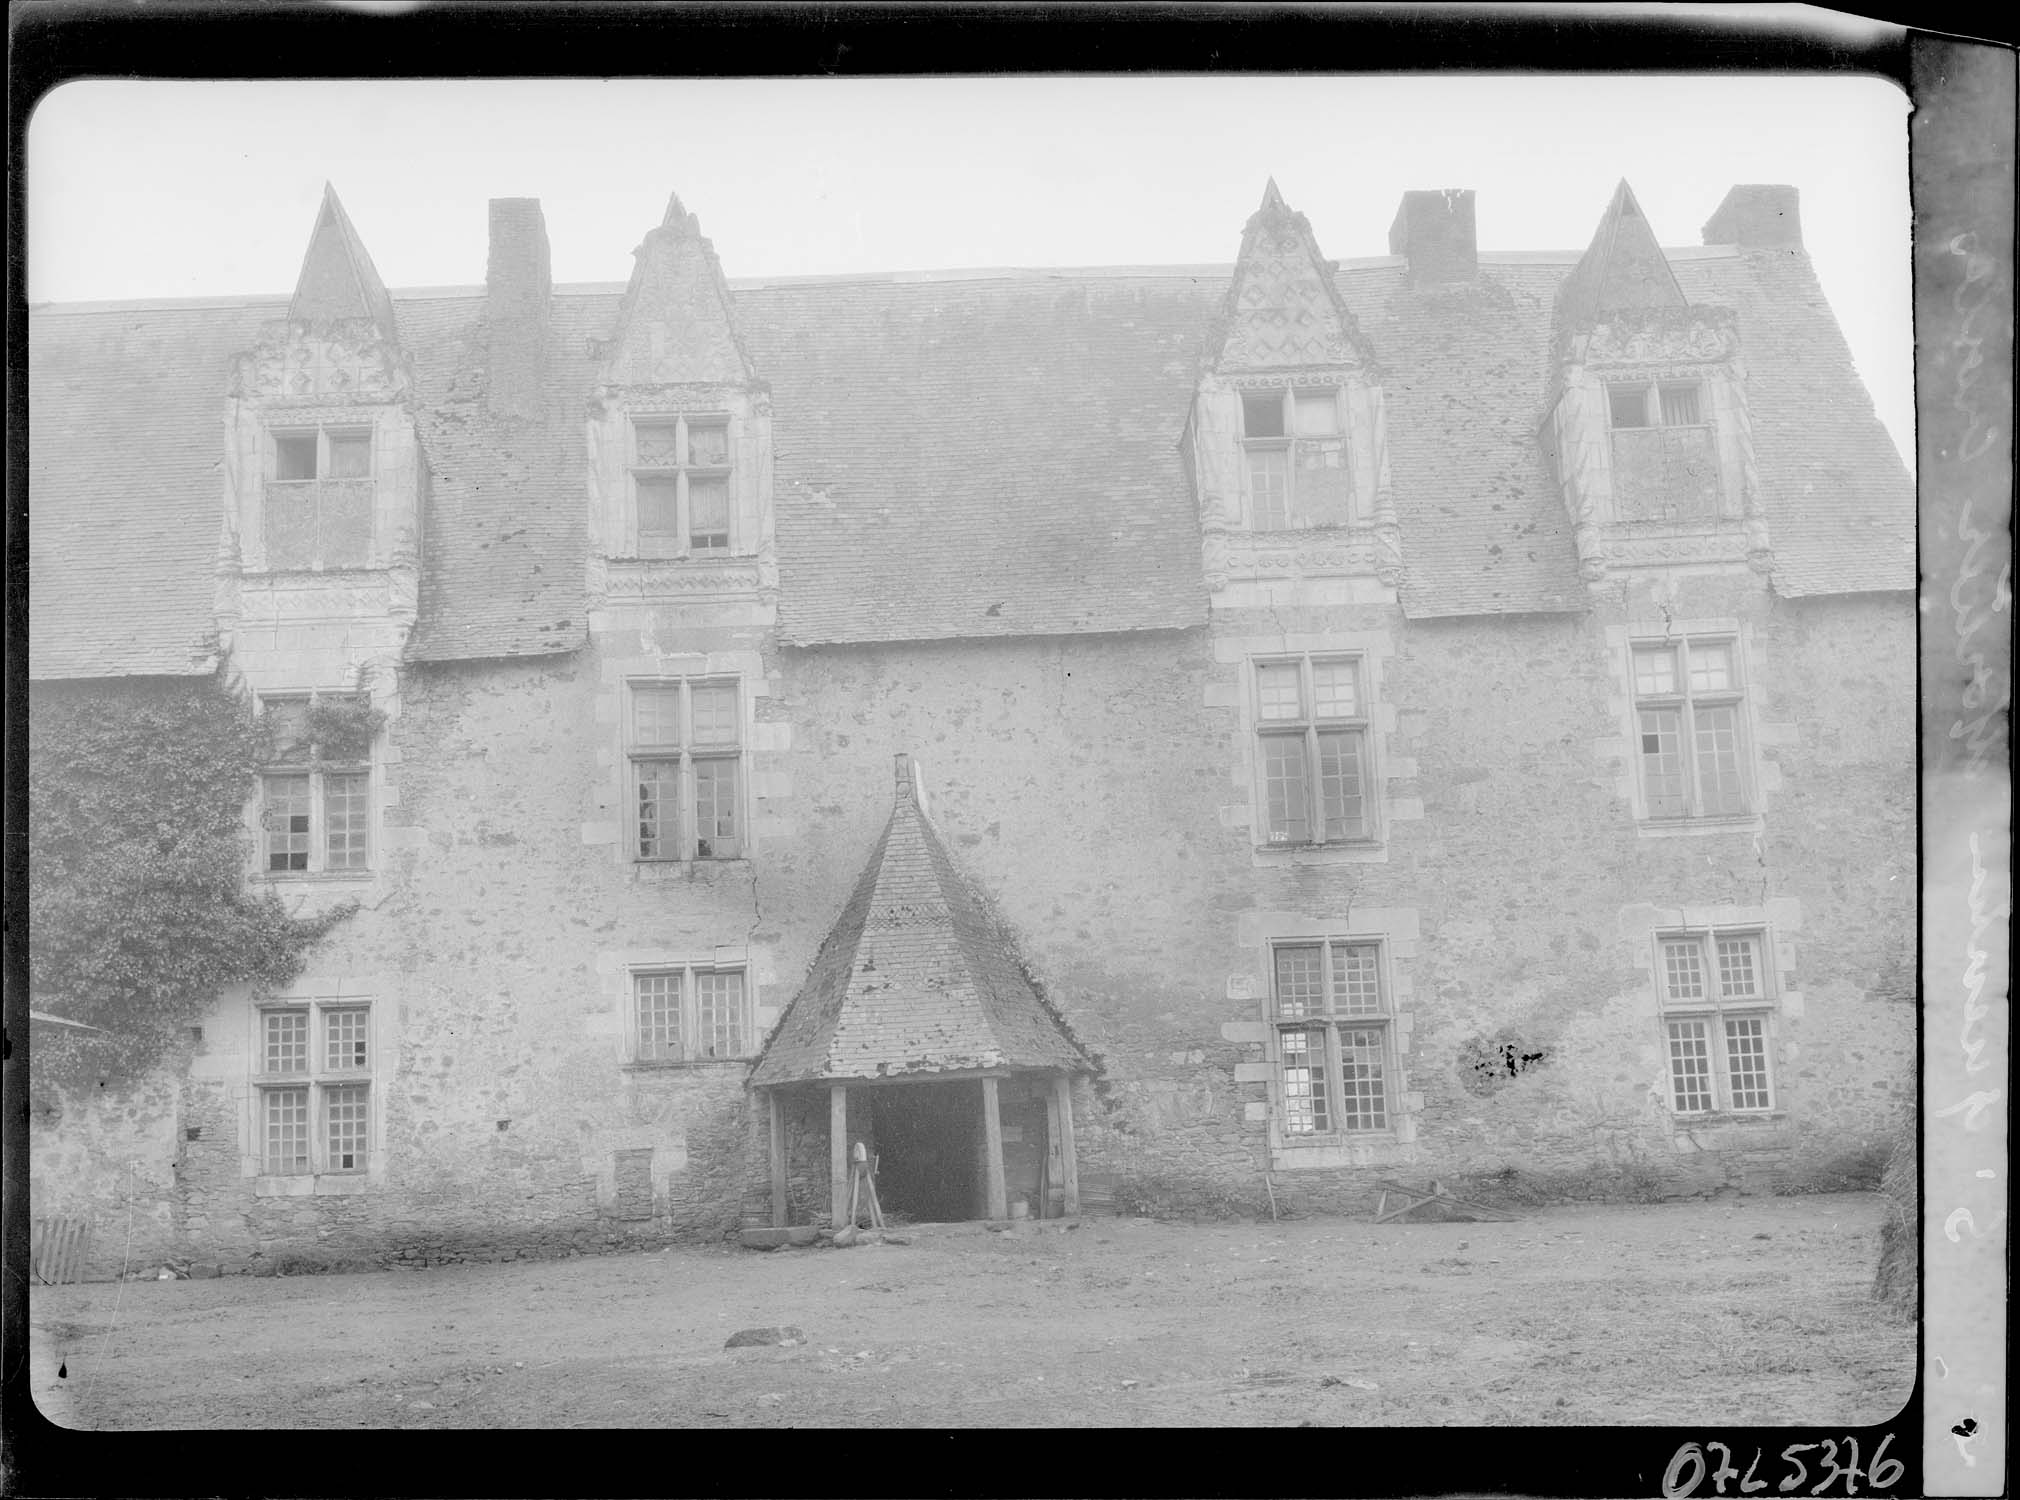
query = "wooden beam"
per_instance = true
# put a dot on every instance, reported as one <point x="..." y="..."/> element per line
<point x="778" y="1114"/>
<point x="992" y="1146"/>
<point x="1062" y="1090"/>
<point x="838" y="1155"/>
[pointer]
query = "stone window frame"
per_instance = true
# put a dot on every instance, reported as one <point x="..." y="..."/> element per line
<point x="1653" y="385"/>
<point x="686" y="756"/>
<point x="1712" y="1011"/>
<point x="316" y="863"/>
<point x="639" y="1051"/>
<point x="1331" y="1021"/>
<point x="317" y="1081"/>
<point x="280" y="429"/>
<point x="680" y="544"/>
<point x="1311" y="725"/>
<point x="1285" y="442"/>
<point x="1685" y="701"/>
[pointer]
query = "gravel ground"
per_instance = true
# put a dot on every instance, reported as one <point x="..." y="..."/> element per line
<point x="1750" y="1312"/>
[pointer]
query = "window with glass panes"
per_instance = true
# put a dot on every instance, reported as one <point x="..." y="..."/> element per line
<point x="315" y="803"/>
<point x="312" y="1070"/>
<point x="1333" y="1022"/>
<point x="689" y="1014"/>
<point x="308" y="453"/>
<point x="681" y="477"/>
<point x="1273" y="423"/>
<point x="1689" y="709"/>
<point x="1311" y="718"/>
<point x="1717" y="1005"/>
<point x="686" y="752"/>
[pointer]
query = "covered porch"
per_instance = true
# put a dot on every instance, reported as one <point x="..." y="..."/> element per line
<point x="920" y="1036"/>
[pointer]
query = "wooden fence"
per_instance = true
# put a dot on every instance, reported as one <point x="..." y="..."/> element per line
<point x="57" y="1249"/>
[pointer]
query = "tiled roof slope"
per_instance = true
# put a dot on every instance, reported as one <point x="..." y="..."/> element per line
<point x="504" y="530"/>
<point x="982" y="458"/>
<point x="1463" y="369"/>
<point x="1840" y="503"/>
<point x="914" y="978"/>
<point x="126" y="483"/>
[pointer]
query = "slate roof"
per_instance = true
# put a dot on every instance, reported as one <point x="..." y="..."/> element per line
<point x="915" y="978"/>
<point x="982" y="457"/>
<point x="126" y="483"/>
<point x="955" y="456"/>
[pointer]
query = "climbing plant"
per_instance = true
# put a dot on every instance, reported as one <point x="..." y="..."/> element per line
<point x="139" y="911"/>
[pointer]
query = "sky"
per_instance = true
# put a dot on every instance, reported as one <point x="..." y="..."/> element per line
<point x="144" y="190"/>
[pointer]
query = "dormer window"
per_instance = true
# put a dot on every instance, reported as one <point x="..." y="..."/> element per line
<point x="319" y="498"/>
<point x="1665" y="457"/>
<point x="681" y="473"/>
<point x="1295" y="450"/>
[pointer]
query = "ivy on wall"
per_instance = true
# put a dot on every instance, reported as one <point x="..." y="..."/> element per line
<point x="139" y="911"/>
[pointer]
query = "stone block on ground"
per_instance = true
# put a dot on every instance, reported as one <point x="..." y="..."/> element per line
<point x="755" y="1338"/>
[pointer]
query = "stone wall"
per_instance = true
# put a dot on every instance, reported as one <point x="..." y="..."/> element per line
<point x="1099" y="792"/>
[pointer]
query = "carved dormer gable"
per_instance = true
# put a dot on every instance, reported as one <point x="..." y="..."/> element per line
<point x="679" y="434"/>
<point x="1283" y="310"/>
<point x="1647" y="422"/>
<point x="676" y="325"/>
<point x="338" y="282"/>
<point x="322" y="458"/>
<point x="1285" y="439"/>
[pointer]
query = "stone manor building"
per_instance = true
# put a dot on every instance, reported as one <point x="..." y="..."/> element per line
<point x="1439" y="714"/>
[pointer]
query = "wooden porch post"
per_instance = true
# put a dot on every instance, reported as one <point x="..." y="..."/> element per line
<point x="778" y="1114"/>
<point x="992" y="1134"/>
<point x="838" y="1154"/>
<point x="1062" y="1090"/>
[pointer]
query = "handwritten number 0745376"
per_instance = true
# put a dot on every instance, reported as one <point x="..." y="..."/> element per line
<point x="1687" y="1470"/>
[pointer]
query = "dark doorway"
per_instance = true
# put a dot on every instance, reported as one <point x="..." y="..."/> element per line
<point x="929" y="1150"/>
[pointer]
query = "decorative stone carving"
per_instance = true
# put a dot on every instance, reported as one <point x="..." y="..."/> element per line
<point x="1690" y="336"/>
<point x="655" y="578"/>
<point x="1360" y="552"/>
<point x="1624" y="551"/>
<point x="1283" y="309"/>
<point x="347" y="362"/>
<point x="658" y="399"/>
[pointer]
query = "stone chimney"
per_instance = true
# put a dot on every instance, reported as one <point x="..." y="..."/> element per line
<point x="1757" y="216"/>
<point x="1435" y="230"/>
<point x="518" y="287"/>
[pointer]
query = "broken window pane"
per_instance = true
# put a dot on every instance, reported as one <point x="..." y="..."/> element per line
<point x="658" y="809"/>
<point x="1662" y="761"/>
<point x="715" y="809"/>
<point x="1262" y="414"/>
<point x="344" y="1119"/>
<point x="344" y="1041"/>
<point x="284" y="815"/>
<point x="1304" y="1065"/>
<point x="294" y="455"/>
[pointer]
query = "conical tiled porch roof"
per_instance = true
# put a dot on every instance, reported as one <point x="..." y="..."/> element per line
<point x="914" y="979"/>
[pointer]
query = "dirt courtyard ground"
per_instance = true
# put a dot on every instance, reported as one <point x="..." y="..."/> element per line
<point x="1749" y="1312"/>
